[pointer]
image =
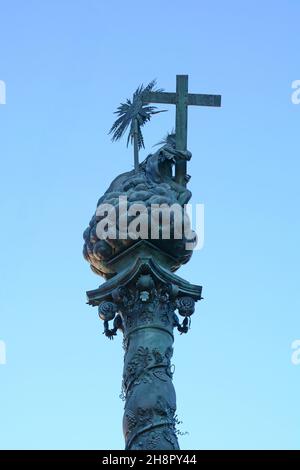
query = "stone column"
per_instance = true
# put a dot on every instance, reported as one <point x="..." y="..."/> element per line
<point x="142" y="304"/>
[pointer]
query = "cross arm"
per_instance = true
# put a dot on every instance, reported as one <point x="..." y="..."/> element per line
<point x="196" y="99"/>
<point x="159" y="97"/>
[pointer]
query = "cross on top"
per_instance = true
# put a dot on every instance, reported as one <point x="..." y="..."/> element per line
<point x="182" y="99"/>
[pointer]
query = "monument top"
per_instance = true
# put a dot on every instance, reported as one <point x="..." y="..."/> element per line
<point x="136" y="113"/>
<point x="182" y="99"/>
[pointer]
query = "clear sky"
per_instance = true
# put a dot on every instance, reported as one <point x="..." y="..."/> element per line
<point x="67" y="65"/>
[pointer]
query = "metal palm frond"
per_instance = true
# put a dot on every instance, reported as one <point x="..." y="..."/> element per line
<point x="134" y="114"/>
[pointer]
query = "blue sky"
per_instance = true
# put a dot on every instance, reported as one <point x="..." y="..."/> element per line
<point x="67" y="65"/>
